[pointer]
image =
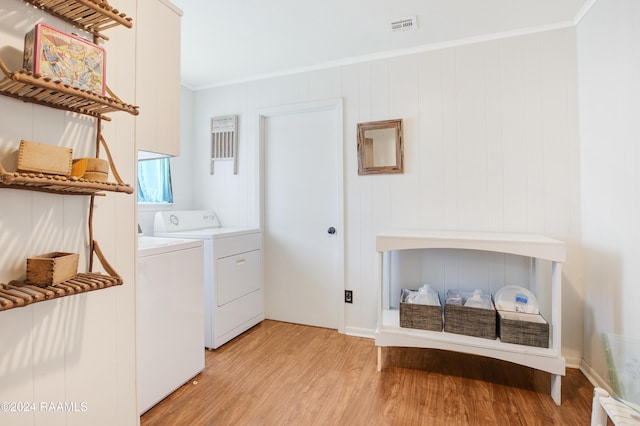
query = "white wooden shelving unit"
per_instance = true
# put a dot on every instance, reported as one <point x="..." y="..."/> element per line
<point x="535" y="247"/>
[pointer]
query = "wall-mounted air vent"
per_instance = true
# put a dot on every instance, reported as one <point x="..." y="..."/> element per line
<point x="224" y="140"/>
<point x="404" y="24"/>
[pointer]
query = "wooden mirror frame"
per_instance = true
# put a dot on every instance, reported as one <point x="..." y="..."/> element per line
<point x="363" y="151"/>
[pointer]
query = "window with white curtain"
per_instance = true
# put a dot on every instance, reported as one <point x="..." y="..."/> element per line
<point x="154" y="181"/>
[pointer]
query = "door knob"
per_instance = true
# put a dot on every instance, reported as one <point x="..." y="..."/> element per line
<point x="331" y="230"/>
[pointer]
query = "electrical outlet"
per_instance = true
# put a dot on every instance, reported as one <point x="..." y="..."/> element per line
<point x="348" y="296"/>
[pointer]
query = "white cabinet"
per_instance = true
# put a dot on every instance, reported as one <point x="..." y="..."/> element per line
<point x="536" y="247"/>
<point x="158" y="77"/>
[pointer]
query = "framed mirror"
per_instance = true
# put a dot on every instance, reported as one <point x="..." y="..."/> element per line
<point x="380" y="148"/>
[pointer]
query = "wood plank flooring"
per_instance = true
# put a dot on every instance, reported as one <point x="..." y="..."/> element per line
<point x="288" y="374"/>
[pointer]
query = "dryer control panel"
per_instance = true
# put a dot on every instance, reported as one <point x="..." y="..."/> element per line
<point x="184" y="220"/>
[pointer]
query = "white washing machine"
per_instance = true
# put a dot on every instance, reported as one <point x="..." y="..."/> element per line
<point x="233" y="291"/>
<point x="170" y="316"/>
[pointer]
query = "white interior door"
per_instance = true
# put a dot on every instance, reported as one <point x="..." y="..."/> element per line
<point x="303" y="269"/>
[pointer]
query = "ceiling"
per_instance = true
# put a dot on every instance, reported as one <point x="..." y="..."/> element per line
<point x="226" y="41"/>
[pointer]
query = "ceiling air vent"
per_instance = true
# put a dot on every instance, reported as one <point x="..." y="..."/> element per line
<point x="401" y="25"/>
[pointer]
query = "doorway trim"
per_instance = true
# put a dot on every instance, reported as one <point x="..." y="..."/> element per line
<point x="335" y="105"/>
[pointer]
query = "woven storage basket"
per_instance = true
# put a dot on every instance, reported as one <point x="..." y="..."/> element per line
<point x="523" y="329"/>
<point x="423" y="317"/>
<point x="470" y="321"/>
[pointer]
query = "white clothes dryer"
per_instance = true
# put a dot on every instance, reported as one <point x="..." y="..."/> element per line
<point x="233" y="289"/>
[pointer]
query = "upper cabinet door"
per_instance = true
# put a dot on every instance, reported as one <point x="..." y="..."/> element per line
<point x="158" y="77"/>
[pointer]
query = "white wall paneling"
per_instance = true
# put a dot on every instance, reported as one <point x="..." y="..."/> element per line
<point x="608" y="67"/>
<point x="403" y="103"/>
<point x="490" y="145"/>
<point x="79" y="348"/>
<point x="211" y="190"/>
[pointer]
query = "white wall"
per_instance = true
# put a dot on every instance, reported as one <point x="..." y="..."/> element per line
<point x="608" y="69"/>
<point x="233" y="197"/>
<point x="79" y="348"/>
<point x="490" y="144"/>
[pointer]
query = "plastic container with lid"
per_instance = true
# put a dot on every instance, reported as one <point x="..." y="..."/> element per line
<point x="516" y="299"/>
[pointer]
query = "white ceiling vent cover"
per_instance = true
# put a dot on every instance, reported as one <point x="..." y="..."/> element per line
<point x="401" y="25"/>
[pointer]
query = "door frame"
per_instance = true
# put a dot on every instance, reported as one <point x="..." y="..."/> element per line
<point x="334" y="105"/>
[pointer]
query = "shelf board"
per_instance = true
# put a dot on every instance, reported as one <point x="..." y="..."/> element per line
<point x="58" y="184"/>
<point x="530" y="245"/>
<point x="19" y="293"/>
<point x="389" y="333"/>
<point x="92" y="16"/>
<point x="33" y="88"/>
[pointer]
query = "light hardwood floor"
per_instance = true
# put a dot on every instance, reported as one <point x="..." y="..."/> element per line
<point x="287" y="374"/>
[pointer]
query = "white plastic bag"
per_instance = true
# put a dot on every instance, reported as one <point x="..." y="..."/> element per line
<point x="478" y="300"/>
<point x="428" y="296"/>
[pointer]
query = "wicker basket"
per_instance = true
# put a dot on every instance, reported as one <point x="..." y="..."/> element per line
<point x="423" y="317"/>
<point x="523" y="329"/>
<point x="470" y="321"/>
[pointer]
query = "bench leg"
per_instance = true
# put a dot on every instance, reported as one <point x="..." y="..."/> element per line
<point x="556" y="388"/>
<point x="598" y="415"/>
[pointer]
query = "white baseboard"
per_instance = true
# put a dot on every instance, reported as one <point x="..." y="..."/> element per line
<point x="573" y="362"/>
<point x="360" y="332"/>
<point x="595" y="379"/>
